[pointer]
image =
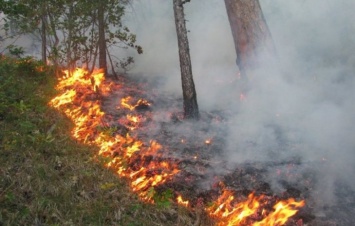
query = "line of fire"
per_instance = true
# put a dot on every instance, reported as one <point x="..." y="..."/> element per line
<point x="154" y="165"/>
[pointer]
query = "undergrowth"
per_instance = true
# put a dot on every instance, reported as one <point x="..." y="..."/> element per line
<point x="47" y="178"/>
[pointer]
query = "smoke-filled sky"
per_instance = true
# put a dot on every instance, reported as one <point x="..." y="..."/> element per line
<point x="306" y="100"/>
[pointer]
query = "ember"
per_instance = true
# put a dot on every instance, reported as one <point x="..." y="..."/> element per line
<point x="182" y="202"/>
<point x="147" y="164"/>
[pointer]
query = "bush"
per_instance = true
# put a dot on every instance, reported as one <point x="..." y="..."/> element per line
<point x="18" y="78"/>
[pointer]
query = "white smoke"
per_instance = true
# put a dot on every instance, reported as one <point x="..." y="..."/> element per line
<point x="305" y="101"/>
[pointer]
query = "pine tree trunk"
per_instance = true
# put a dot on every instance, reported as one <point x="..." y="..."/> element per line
<point x="102" y="38"/>
<point x="70" y="66"/>
<point x="44" y="40"/>
<point x="44" y="32"/>
<point x="188" y="86"/>
<point x="250" y="33"/>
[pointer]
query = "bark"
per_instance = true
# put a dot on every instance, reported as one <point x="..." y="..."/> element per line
<point x="188" y="86"/>
<point x="112" y="65"/>
<point x="44" y="40"/>
<point x="69" y="42"/>
<point x="250" y="33"/>
<point x="94" y="60"/>
<point x="44" y="33"/>
<point x="102" y="38"/>
<point x="56" y="39"/>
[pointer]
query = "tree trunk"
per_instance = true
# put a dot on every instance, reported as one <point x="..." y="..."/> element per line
<point x="250" y="33"/>
<point x="70" y="66"/>
<point x="56" y="39"/>
<point x="102" y="38"/>
<point x="44" y="40"/>
<point x="188" y="86"/>
<point x="44" y="33"/>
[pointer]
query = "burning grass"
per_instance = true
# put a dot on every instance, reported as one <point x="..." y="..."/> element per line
<point x="46" y="177"/>
<point x="148" y="165"/>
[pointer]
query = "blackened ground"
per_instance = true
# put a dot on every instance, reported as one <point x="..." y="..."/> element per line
<point x="198" y="148"/>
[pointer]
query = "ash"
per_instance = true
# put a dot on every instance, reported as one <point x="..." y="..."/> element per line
<point x="199" y="148"/>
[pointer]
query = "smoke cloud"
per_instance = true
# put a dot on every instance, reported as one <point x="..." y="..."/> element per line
<point x="301" y="106"/>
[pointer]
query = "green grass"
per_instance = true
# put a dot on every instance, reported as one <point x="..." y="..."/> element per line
<point x="46" y="177"/>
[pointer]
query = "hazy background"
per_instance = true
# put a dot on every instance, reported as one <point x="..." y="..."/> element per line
<point x="302" y="106"/>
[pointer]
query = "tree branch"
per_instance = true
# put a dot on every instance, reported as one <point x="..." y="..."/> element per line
<point x="185" y="1"/>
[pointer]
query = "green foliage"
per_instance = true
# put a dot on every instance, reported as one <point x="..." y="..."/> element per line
<point x="18" y="79"/>
<point x="125" y="63"/>
<point x="12" y="8"/>
<point x="15" y="51"/>
<point x="72" y="25"/>
<point x="161" y="199"/>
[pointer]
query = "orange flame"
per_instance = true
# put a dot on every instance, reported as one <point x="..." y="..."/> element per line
<point x="208" y="141"/>
<point x="182" y="202"/>
<point x="66" y="98"/>
<point x="78" y="100"/>
<point x="228" y="212"/>
<point x="283" y="210"/>
<point x="126" y="103"/>
<point x="77" y="103"/>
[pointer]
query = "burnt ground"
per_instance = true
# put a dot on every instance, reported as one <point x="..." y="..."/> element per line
<point x="198" y="148"/>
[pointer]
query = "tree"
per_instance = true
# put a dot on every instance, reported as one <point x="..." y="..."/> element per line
<point x="31" y="17"/>
<point x="250" y="33"/>
<point x="188" y="86"/>
<point x="72" y="31"/>
<point x="102" y="37"/>
<point x="100" y="30"/>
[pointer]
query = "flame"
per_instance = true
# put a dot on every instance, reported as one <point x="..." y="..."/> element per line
<point x="82" y="77"/>
<point x="233" y="214"/>
<point x="182" y="202"/>
<point x="67" y="97"/>
<point x="208" y="141"/>
<point x="283" y="210"/>
<point x="142" y="162"/>
<point x="133" y="118"/>
<point x="132" y="122"/>
<point x="77" y="100"/>
<point x="126" y="103"/>
<point x="229" y="212"/>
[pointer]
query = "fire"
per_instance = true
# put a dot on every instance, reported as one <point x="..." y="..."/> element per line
<point x="208" y="141"/>
<point x="132" y="121"/>
<point x="132" y="118"/>
<point x="82" y="77"/>
<point x="182" y="202"/>
<point x="78" y="101"/>
<point x="126" y="103"/>
<point x="142" y="162"/>
<point x="230" y="212"/>
<point x="67" y="97"/>
<point x="283" y="210"/>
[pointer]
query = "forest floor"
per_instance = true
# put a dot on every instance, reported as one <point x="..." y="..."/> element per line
<point x="48" y="178"/>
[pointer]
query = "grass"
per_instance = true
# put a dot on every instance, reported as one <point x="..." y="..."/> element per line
<point x="46" y="177"/>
